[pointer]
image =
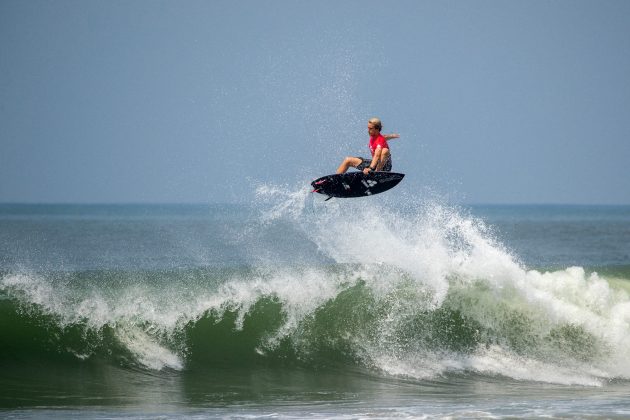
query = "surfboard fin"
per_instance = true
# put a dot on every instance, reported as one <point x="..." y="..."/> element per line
<point x="329" y="197"/>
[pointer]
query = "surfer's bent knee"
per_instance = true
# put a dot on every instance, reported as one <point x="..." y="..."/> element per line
<point x="352" y="161"/>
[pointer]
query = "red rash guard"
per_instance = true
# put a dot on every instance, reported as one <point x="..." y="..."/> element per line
<point x="377" y="141"/>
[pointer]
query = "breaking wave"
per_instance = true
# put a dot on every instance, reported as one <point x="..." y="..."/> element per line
<point x="420" y="291"/>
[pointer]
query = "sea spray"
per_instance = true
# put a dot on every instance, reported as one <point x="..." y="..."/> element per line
<point x="555" y="317"/>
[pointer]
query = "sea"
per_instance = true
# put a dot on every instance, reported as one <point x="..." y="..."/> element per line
<point x="294" y="307"/>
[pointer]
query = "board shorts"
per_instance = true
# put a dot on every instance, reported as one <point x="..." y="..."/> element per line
<point x="365" y="163"/>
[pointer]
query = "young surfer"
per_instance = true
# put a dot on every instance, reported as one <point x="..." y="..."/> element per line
<point x="381" y="157"/>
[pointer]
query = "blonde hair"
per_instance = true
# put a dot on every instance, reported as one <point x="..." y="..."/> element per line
<point x="376" y="122"/>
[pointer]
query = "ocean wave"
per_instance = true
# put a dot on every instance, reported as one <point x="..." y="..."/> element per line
<point x="568" y="327"/>
<point x="420" y="291"/>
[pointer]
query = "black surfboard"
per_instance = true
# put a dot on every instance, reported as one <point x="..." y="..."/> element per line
<point x="356" y="184"/>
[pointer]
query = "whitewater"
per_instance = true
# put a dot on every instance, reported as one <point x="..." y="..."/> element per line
<point x="293" y="304"/>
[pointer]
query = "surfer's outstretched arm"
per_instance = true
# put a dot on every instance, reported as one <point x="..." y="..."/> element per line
<point x="391" y="136"/>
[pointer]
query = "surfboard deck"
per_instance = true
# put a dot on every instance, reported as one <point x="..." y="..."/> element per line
<point x="356" y="184"/>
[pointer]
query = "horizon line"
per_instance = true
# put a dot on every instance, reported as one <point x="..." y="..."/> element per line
<point x="207" y="203"/>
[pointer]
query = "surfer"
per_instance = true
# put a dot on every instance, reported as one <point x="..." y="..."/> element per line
<point x="381" y="157"/>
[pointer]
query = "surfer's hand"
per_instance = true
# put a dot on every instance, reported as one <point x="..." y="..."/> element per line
<point x="366" y="171"/>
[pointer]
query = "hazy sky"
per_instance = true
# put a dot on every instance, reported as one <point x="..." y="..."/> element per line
<point x="200" y="101"/>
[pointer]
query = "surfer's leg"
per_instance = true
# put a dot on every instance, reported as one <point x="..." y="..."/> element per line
<point x="364" y="163"/>
<point x="387" y="158"/>
<point x="347" y="163"/>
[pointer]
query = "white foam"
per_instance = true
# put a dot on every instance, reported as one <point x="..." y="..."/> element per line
<point x="438" y="249"/>
<point x="497" y="361"/>
<point x="147" y="351"/>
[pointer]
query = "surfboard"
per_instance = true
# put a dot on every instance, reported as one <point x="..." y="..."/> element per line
<point x="356" y="184"/>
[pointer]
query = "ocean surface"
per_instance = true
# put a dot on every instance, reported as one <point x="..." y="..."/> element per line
<point x="292" y="307"/>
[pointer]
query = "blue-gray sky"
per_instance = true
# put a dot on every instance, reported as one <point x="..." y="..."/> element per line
<point x="197" y="101"/>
